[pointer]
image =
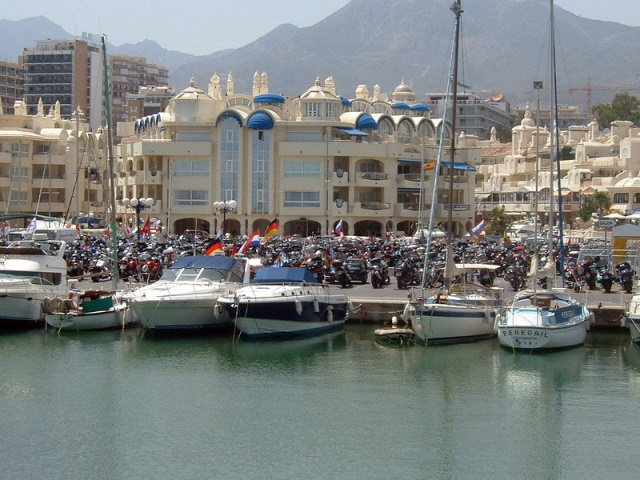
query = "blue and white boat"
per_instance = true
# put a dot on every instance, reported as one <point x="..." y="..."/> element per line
<point x="185" y="299"/>
<point x="284" y="302"/>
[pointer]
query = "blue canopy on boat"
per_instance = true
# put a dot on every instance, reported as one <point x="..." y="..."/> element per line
<point x="218" y="262"/>
<point x="284" y="275"/>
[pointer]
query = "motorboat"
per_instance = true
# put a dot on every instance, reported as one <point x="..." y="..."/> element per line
<point x="185" y="298"/>
<point x="30" y="272"/>
<point x="284" y="302"/>
<point x="631" y="318"/>
<point x="547" y="319"/>
<point x="93" y="310"/>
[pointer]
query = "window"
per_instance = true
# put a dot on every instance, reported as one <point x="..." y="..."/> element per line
<point x="191" y="168"/>
<point x="19" y="149"/>
<point x="302" y="199"/>
<point x="191" y="197"/>
<point x="294" y="168"/>
<point x="19" y="172"/>
<point x="18" y="197"/>
<point x="42" y="149"/>
<point x="229" y="157"/>
<point x="260" y="168"/>
<point x="312" y="109"/>
<point x="621" y="198"/>
<point x="331" y="109"/>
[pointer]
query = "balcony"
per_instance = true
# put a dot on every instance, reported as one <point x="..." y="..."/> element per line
<point x="373" y="178"/>
<point x="340" y="178"/>
<point x="369" y="209"/>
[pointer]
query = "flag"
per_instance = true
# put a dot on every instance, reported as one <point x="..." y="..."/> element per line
<point x="339" y="230"/>
<point x="272" y="230"/>
<point x="215" y="246"/>
<point x="32" y="225"/>
<point x="478" y="229"/>
<point x="253" y="238"/>
<point x="429" y="165"/>
<point x="145" y="232"/>
<point x="6" y="227"/>
<point x="221" y="230"/>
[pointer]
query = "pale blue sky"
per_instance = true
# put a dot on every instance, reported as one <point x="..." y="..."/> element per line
<point x="201" y="27"/>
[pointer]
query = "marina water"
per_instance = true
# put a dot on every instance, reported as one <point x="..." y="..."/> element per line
<point x="116" y="405"/>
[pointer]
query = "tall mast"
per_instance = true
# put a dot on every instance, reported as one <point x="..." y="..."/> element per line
<point x="456" y="8"/>
<point x="111" y="183"/>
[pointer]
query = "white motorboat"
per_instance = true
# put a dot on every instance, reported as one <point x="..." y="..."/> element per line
<point x="286" y="301"/>
<point x="95" y="310"/>
<point x="631" y="318"/>
<point x="30" y="272"/>
<point x="186" y="296"/>
<point x="543" y="320"/>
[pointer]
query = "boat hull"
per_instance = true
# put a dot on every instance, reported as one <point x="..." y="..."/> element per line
<point x="554" y="323"/>
<point x="176" y="315"/>
<point x="447" y="324"/>
<point x="263" y="317"/>
<point x="632" y="322"/>
<point x="105" y="320"/>
<point x="23" y="309"/>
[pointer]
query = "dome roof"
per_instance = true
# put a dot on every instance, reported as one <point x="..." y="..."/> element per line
<point x="193" y="103"/>
<point x="318" y="92"/>
<point x="403" y="88"/>
<point x="192" y="93"/>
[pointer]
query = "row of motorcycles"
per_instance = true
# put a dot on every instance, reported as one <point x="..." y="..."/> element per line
<point x="351" y="270"/>
<point x="587" y="275"/>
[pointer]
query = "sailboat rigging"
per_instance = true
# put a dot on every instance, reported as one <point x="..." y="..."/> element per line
<point x="462" y="311"/>
<point x="547" y="318"/>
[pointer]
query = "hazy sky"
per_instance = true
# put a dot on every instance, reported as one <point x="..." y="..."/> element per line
<point x="201" y="27"/>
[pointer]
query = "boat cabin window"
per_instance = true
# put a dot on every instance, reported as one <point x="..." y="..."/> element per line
<point x="199" y="275"/>
<point x="36" y="278"/>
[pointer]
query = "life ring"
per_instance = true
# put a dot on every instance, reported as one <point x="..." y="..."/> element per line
<point x="57" y="305"/>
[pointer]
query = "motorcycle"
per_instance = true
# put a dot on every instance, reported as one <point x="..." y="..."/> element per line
<point x="378" y="272"/>
<point x="625" y="276"/>
<point x="99" y="269"/>
<point x="407" y="274"/>
<point x="605" y="279"/>
<point x="340" y="274"/>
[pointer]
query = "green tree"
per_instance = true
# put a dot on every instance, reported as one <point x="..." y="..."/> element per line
<point x="598" y="202"/>
<point x="498" y="222"/>
<point x="624" y="107"/>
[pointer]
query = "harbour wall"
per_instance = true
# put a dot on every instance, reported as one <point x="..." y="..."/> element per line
<point x="379" y="312"/>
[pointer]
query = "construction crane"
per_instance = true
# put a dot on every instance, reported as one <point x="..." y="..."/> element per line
<point x="590" y="89"/>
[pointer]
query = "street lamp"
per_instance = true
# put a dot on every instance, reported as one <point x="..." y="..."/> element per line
<point x="138" y="204"/>
<point x="225" y="207"/>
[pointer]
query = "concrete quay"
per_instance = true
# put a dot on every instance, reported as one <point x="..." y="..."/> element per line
<point x="378" y="312"/>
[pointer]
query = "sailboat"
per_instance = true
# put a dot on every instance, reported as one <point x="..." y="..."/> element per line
<point x="545" y="318"/>
<point x="96" y="309"/>
<point x="462" y="311"/>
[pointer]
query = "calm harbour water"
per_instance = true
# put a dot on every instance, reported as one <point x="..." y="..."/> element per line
<point x="114" y="405"/>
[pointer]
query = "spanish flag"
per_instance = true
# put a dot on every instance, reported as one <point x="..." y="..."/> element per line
<point x="215" y="246"/>
<point x="272" y="230"/>
<point x="429" y="165"/>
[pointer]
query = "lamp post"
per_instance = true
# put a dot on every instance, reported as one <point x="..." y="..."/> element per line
<point x="138" y="204"/>
<point x="224" y="207"/>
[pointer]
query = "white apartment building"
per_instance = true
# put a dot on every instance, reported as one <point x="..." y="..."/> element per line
<point x="309" y="161"/>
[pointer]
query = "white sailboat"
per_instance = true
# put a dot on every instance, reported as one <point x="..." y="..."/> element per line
<point x="463" y="311"/>
<point x="97" y="310"/>
<point x="545" y="318"/>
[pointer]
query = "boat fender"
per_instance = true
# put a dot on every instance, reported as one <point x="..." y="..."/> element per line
<point x="406" y="314"/>
<point x="217" y="310"/>
<point x="350" y="306"/>
<point x="316" y="306"/>
<point x="298" y="306"/>
<point x="330" y="314"/>
<point x="57" y="305"/>
<point x="46" y="305"/>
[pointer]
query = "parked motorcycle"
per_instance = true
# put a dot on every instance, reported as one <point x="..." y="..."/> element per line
<point x="605" y="279"/>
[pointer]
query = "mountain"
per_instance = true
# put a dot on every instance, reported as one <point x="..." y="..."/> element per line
<point x="504" y="48"/>
<point x="17" y="35"/>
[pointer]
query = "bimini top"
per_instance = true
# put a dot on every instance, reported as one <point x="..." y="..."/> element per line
<point x="206" y="261"/>
<point x="277" y="275"/>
